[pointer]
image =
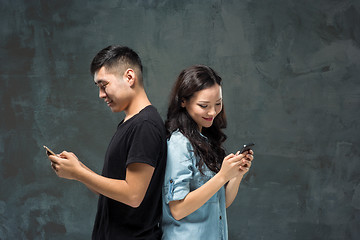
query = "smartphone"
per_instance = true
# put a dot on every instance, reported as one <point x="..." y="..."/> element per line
<point x="247" y="147"/>
<point x="48" y="151"/>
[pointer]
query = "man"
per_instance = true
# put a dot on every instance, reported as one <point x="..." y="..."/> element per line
<point x="129" y="188"/>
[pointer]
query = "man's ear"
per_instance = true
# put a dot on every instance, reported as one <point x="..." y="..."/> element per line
<point x="130" y="76"/>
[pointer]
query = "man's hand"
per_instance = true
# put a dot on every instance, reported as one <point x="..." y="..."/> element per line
<point x="66" y="165"/>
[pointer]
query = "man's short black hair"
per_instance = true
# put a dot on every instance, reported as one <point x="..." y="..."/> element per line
<point x="117" y="58"/>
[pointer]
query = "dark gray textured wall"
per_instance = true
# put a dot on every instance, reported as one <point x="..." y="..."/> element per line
<point x="291" y="84"/>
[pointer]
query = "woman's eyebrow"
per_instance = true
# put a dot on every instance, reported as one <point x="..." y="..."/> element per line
<point x="203" y="101"/>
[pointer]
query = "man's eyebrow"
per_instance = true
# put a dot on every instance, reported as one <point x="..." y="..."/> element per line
<point x="99" y="81"/>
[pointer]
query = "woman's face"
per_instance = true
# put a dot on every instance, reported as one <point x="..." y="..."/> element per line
<point x="204" y="105"/>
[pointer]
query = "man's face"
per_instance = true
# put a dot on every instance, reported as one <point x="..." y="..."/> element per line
<point x="113" y="88"/>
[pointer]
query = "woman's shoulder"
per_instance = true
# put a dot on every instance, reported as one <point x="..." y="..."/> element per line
<point x="178" y="136"/>
<point x="178" y="139"/>
<point x="179" y="150"/>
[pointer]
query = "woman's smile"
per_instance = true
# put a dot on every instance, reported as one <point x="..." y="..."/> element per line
<point x="209" y="119"/>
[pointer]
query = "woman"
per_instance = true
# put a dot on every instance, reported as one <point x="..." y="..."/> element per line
<point x="200" y="181"/>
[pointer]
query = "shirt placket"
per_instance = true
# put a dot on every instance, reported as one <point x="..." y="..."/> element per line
<point x="221" y="219"/>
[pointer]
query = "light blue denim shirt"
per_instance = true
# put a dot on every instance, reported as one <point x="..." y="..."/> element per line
<point x="181" y="177"/>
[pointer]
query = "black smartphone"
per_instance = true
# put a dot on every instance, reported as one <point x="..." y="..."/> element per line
<point x="247" y="147"/>
<point x="48" y="151"/>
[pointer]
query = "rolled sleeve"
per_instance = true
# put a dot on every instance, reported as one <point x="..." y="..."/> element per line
<point x="179" y="168"/>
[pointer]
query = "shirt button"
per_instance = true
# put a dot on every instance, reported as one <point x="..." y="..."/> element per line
<point x="220" y="217"/>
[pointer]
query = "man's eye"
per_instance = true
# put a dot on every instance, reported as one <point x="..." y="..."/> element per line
<point x="103" y="85"/>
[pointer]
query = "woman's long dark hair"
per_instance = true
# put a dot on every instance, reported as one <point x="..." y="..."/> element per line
<point x="210" y="151"/>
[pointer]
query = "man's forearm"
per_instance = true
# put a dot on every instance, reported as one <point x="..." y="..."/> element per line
<point x="130" y="191"/>
<point x="89" y="187"/>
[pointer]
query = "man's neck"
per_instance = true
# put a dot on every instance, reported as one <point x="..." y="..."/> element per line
<point x="139" y="102"/>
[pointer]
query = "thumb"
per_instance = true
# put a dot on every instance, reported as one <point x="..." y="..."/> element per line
<point x="229" y="157"/>
<point x="65" y="154"/>
<point x="53" y="158"/>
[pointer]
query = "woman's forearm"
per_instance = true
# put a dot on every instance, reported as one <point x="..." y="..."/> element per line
<point x="195" y="199"/>
<point x="231" y="190"/>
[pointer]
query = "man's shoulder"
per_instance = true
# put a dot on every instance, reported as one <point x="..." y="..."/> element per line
<point x="150" y="118"/>
<point x="150" y="114"/>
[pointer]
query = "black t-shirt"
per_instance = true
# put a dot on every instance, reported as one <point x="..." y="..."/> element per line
<point x="141" y="139"/>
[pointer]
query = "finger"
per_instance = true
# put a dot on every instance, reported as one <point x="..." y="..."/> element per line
<point x="235" y="159"/>
<point x="241" y="156"/>
<point x="250" y="157"/>
<point x="68" y="154"/>
<point x="54" y="159"/>
<point x="65" y="154"/>
<point x="237" y="163"/>
<point x="245" y="169"/>
<point x="229" y="156"/>
<point x="54" y="166"/>
<point x="246" y="163"/>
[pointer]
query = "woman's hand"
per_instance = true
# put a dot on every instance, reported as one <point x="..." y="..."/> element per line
<point x="232" y="186"/>
<point x="232" y="165"/>
<point x="246" y="161"/>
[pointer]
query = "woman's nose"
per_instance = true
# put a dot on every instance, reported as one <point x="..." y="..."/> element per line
<point x="212" y="112"/>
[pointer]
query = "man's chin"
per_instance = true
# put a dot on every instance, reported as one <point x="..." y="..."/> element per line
<point x="115" y="110"/>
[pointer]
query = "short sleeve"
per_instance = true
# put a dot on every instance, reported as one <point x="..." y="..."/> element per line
<point x="145" y="144"/>
<point x="179" y="168"/>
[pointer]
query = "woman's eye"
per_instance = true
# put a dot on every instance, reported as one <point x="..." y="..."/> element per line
<point x="202" y="106"/>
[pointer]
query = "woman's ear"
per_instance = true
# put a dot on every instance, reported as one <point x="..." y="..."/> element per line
<point x="183" y="103"/>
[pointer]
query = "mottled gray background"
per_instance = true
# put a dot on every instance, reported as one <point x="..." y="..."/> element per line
<point x="291" y="84"/>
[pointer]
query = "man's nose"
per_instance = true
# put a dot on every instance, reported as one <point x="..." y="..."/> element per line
<point x="102" y="93"/>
